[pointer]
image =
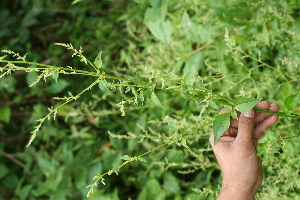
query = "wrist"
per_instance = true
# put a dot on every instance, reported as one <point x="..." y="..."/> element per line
<point x="237" y="192"/>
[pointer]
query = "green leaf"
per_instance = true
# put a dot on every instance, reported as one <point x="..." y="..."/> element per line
<point x="2" y="57"/>
<point x="291" y="101"/>
<point x="127" y="89"/>
<point x="155" y="21"/>
<point x="171" y="184"/>
<point x="8" y="83"/>
<point x="5" y="114"/>
<point x="142" y="159"/>
<point x="103" y="85"/>
<point x="191" y="68"/>
<point x="213" y="104"/>
<point x="31" y="77"/>
<point x="156" y="100"/>
<point x="172" y="126"/>
<point x="245" y="104"/>
<point x="228" y="108"/>
<point x="70" y="94"/>
<point x="98" y="61"/>
<point x="125" y="157"/>
<point x="58" y="87"/>
<point x="151" y="190"/>
<point x="75" y="1"/>
<point x="46" y="166"/>
<point x="142" y="98"/>
<point x="24" y="192"/>
<point x="220" y="125"/>
<point x="183" y="143"/>
<point x="189" y="28"/>
<point x="162" y="30"/>
<point x="55" y="74"/>
<point x="3" y="170"/>
<point x="234" y="114"/>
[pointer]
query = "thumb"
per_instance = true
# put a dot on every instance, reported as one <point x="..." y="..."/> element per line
<point x="245" y="127"/>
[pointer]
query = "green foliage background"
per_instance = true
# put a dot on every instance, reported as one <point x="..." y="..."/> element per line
<point x="170" y="51"/>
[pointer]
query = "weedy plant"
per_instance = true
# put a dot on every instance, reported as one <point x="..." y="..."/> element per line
<point x="218" y="68"/>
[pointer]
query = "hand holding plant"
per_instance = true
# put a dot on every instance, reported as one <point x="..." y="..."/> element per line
<point x="237" y="155"/>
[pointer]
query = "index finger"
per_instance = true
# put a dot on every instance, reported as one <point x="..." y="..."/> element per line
<point x="245" y="128"/>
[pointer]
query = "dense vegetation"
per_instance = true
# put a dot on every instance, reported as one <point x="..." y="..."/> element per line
<point x="132" y="122"/>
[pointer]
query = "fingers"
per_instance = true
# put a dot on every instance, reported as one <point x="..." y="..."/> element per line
<point x="250" y="125"/>
<point x="258" y="116"/>
<point x="245" y="127"/>
<point x="264" y="125"/>
<point x="261" y="116"/>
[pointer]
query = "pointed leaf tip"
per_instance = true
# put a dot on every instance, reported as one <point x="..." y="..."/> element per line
<point x="220" y="125"/>
<point x="125" y="157"/>
<point x="291" y="101"/>
<point x="155" y="100"/>
<point x="245" y="104"/>
<point x="183" y="143"/>
<point x="98" y="61"/>
<point x="142" y="159"/>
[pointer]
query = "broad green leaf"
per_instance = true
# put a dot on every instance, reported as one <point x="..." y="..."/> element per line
<point x="213" y="104"/>
<point x="24" y="192"/>
<point x="183" y="143"/>
<point x="157" y="11"/>
<point x="98" y="61"/>
<point x="234" y="114"/>
<point x="291" y="101"/>
<point x="58" y="87"/>
<point x="46" y="165"/>
<point x="31" y="77"/>
<point x="8" y="83"/>
<point x="228" y="108"/>
<point x="189" y="28"/>
<point x="151" y="190"/>
<point x="5" y="114"/>
<point x="172" y="126"/>
<point x="162" y="30"/>
<point x="80" y="178"/>
<point x="155" y="21"/>
<point x="125" y="157"/>
<point x="10" y="181"/>
<point x="220" y="125"/>
<point x="245" y="104"/>
<point x="192" y="67"/>
<point x="142" y="159"/>
<point x="156" y="100"/>
<point x="103" y="85"/>
<point x="171" y="183"/>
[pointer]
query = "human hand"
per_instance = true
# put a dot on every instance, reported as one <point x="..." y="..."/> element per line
<point x="237" y="155"/>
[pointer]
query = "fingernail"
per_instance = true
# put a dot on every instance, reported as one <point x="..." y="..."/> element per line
<point x="249" y="113"/>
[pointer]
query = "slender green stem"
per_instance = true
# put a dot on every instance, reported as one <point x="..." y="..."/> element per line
<point x="55" y="110"/>
<point x="294" y="115"/>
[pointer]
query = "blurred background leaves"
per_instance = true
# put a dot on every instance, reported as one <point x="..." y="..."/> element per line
<point x="183" y="42"/>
